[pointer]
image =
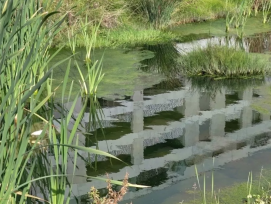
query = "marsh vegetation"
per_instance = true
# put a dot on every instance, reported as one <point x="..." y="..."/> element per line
<point x="29" y="130"/>
<point x="222" y="62"/>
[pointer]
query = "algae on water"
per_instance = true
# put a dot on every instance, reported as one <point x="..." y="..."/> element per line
<point x="121" y="68"/>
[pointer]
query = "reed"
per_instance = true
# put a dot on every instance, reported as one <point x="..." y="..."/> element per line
<point x="25" y="92"/>
<point x="237" y="17"/>
<point x="256" y="6"/>
<point x="266" y="6"/>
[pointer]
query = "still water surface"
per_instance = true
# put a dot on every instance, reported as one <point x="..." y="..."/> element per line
<point x="163" y="131"/>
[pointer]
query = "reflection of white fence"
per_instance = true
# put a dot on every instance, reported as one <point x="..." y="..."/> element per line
<point x="201" y="44"/>
<point x="201" y="148"/>
<point x="186" y="130"/>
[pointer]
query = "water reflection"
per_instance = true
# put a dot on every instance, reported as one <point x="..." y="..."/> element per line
<point x="163" y="134"/>
<point x="163" y="131"/>
<point x="258" y="43"/>
<point x="164" y="60"/>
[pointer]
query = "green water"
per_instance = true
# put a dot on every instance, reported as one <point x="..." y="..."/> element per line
<point x="121" y="69"/>
<point x="201" y="30"/>
<point x="162" y="127"/>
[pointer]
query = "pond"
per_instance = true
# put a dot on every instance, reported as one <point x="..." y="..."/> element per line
<point x="162" y="127"/>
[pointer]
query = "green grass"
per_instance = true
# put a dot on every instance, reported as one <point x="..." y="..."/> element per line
<point x="222" y="62"/>
<point x="199" y="10"/>
<point x="140" y="22"/>
<point x="255" y="191"/>
<point x="124" y="37"/>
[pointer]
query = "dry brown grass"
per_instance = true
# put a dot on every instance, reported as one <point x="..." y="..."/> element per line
<point x="112" y="197"/>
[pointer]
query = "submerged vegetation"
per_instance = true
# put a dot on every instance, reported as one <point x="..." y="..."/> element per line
<point x="222" y="62"/>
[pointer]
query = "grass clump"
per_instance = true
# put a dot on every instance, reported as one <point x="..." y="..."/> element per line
<point x="130" y="36"/>
<point x="157" y="13"/>
<point x="222" y="62"/>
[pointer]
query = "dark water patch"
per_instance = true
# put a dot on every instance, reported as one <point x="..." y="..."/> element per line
<point x="232" y="98"/>
<point x="109" y="103"/>
<point x="164" y="60"/>
<point x="232" y="126"/>
<point x="110" y="166"/>
<point x="163" y="118"/>
<point x="261" y="140"/>
<point x="115" y="132"/>
<point x="163" y="87"/>
<point x="204" y="130"/>
<point x="256" y="117"/>
<point x="153" y="177"/>
<point x="162" y="149"/>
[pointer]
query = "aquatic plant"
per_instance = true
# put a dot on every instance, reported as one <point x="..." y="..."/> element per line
<point x="256" y="6"/>
<point x="89" y="83"/>
<point x="237" y="17"/>
<point x="222" y="62"/>
<point x="229" y="21"/>
<point x="266" y="6"/>
<point x="25" y="89"/>
<point x="72" y="40"/>
<point x="24" y="43"/>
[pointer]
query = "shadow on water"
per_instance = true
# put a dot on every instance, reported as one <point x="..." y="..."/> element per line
<point x="164" y="60"/>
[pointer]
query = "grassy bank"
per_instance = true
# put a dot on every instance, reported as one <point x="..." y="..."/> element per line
<point x="123" y="23"/>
